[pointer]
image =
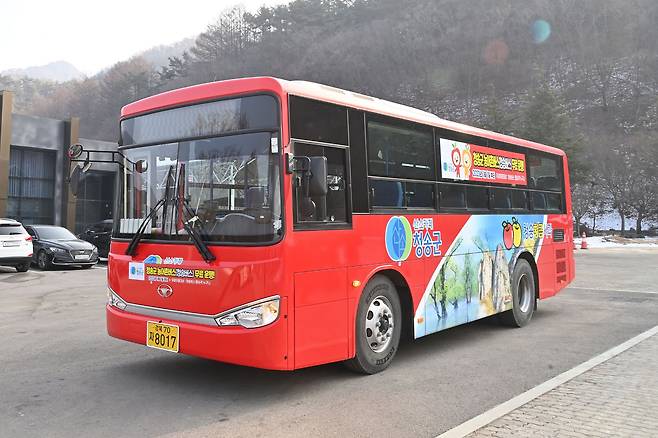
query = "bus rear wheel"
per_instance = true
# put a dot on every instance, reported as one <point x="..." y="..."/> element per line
<point x="378" y="327"/>
<point x="524" y="296"/>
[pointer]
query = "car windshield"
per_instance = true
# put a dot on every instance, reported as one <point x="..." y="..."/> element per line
<point x="229" y="183"/>
<point x="54" y="233"/>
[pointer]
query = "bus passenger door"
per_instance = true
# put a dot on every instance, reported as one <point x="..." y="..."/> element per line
<point x="322" y="228"/>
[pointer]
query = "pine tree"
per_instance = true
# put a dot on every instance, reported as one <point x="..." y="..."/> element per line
<point x="546" y="121"/>
<point x="496" y="117"/>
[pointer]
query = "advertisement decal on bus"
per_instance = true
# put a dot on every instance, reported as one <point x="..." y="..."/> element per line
<point x="470" y="162"/>
<point x="473" y="279"/>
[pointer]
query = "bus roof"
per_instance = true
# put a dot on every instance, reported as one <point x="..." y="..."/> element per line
<point x="312" y="90"/>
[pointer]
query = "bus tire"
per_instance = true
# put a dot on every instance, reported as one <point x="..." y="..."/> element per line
<point x="524" y="296"/>
<point x="378" y="327"/>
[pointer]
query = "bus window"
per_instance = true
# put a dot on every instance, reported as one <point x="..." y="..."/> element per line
<point x="519" y="200"/>
<point x="329" y="208"/>
<point x="538" y="201"/>
<point x="544" y="173"/>
<point x="318" y="121"/>
<point x="501" y="199"/>
<point x="400" y="152"/>
<point x="419" y="195"/>
<point x="205" y="119"/>
<point x="477" y="198"/>
<point x="386" y="193"/>
<point x="452" y="196"/>
<point x="401" y="194"/>
<point x="553" y="202"/>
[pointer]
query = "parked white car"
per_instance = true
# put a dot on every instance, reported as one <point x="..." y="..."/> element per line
<point x="15" y="245"/>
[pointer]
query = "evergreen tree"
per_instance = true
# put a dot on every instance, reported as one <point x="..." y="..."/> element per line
<point x="497" y="118"/>
<point x="546" y="121"/>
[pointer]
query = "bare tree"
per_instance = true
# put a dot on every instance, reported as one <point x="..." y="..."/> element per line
<point x="617" y="179"/>
<point x="644" y="194"/>
<point x="583" y="202"/>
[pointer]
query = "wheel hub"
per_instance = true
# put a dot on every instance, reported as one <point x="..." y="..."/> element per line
<point x="525" y="293"/>
<point x="379" y="324"/>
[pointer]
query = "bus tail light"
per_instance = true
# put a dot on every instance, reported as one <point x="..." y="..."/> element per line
<point x="114" y="300"/>
<point x="252" y="315"/>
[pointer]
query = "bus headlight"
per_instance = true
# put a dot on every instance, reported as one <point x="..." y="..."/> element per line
<point x="252" y="315"/>
<point x="115" y="300"/>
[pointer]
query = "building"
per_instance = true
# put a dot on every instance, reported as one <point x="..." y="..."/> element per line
<point x="33" y="172"/>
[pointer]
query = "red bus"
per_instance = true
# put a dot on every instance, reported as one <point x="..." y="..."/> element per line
<point x="284" y="224"/>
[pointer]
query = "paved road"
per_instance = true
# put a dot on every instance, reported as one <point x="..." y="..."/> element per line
<point x="61" y="375"/>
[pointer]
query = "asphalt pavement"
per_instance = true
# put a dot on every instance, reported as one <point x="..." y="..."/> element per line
<point x="61" y="375"/>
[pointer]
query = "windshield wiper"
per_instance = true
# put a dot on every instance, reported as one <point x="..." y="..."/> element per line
<point x="132" y="246"/>
<point x="182" y="207"/>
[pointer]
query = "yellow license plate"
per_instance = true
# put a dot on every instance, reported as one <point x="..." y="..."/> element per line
<point x="162" y="336"/>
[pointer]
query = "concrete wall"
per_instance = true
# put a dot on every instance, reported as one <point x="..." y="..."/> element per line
<point x="45" y="134"/>
<point x="49" y="134"/>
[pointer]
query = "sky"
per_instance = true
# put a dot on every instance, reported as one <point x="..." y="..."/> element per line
<point x="93" y="35"/>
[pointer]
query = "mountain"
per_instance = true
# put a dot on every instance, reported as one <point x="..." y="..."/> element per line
<point x="58" y="71"/>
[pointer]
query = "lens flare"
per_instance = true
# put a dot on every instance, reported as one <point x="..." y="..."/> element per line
<point x="541" y="31"/>
<point x="495" y="52"/>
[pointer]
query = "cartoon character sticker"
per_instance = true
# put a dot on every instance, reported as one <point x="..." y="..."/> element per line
<point x="516" y="231"/>
<point x="456" y="160"/>
<point x="512" y="235"/>
<point x="467" y="160"/>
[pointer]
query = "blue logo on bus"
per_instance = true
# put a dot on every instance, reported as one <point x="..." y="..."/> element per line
<point x="398" y="238"/>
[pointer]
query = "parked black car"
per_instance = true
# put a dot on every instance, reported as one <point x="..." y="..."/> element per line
<point x="99" y="234"/>
<point x="58" y="246"/>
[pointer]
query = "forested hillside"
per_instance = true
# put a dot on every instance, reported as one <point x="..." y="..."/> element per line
<point x="577" y="74"/>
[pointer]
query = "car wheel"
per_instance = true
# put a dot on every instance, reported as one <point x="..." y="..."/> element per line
<point x="23" y="267"/>
<point x="524" y="296"/>
<point x="378" y="327"/>
<point x="43" y="261"/>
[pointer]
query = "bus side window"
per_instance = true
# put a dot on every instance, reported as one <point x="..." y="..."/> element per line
<point x="477" y="198"/>
<point x="331" y="208"/>
<point x="452" y="196"/>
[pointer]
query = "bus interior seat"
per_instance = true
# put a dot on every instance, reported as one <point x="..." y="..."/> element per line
<point x="254" y="198"/>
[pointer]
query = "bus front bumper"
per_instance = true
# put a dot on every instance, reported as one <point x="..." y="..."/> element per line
<point x="265" y="347"/>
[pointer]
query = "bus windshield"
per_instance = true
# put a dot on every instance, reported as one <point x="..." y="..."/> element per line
<point x="229" y="186"/>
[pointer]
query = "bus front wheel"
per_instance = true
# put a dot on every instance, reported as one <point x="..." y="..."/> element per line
<point x="524" y="296"/>
<point x="378" y="327"/>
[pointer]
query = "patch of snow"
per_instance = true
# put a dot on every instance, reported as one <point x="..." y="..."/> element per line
<point x="611" y="221"/>
<point x="618" y="242"/>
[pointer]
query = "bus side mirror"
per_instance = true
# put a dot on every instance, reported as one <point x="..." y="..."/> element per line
<point x="141" y="166"/>
<point x="74" y="151"/>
